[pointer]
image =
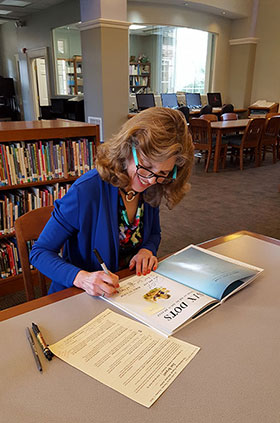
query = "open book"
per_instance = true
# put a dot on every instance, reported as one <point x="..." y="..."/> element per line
<point x="186" y="285"/>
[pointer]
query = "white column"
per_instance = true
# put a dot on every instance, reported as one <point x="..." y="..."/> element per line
<point x="104" y="37"/>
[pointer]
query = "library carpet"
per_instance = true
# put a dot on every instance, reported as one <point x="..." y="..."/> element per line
<point x="218" y="204"/>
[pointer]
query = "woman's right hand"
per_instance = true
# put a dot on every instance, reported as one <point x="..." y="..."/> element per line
<point x="97" y="283"/>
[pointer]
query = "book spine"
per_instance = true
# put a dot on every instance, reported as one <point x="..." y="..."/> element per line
<point x="10" y="172"/>
<point x="3" y="180"/>
<point x="51" y="159"/>
<point x="42" y="161"/>
<point x="48" y="161"/>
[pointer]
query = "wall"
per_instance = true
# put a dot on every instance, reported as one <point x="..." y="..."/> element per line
<point x="72" y="42"/>
<point x="37" y="33"/>
<point x="152" y="14"/>
<point x="266" y="82"/>
<point x="147" y="45"/>
<point x="8" y="50"/>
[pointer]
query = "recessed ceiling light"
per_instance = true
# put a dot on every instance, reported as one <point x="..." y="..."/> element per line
<point x="135" y="26"/>
<point x="186" y="4"/>
<point x="5" y="12"/>
<point x="18" y="3"/>
<point x="223" y="12"/>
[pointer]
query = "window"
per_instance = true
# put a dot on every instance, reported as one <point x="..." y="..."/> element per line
<point x="180" y="58"/>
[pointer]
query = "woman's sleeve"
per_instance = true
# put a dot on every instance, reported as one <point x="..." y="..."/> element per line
<point x="63" y="224"/>
<point x="153" y="240"/>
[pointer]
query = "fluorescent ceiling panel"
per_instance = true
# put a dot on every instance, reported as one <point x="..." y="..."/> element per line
<point x="5" y="12"/>
<point x="18" y="3"/>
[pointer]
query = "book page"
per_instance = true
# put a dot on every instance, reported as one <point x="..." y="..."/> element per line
<point x="206" y="271"/>
<point x="126" y="356"/>
<point x="159" y="302"/>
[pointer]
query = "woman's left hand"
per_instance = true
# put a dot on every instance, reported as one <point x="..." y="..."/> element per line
<point x="144" y="261"/>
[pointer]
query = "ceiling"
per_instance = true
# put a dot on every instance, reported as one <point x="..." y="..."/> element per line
<point x="220" y="8"/>
<point x="19" y="12"/>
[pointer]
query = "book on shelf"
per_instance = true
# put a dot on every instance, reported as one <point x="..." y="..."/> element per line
<point x="34" y="161"/>
<point x="185" y="286"/>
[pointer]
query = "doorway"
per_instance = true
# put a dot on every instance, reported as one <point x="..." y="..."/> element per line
<point x="39" y="75"/>
<point x="39" y="80"/>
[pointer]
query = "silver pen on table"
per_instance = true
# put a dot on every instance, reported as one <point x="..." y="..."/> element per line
<point x="33" y="348"/>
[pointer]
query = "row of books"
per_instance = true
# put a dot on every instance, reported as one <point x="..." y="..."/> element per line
<point x="139" y="69"/>
<point x="32" y="161"/>
<point x="16" y="203"/>
<point x="139" y="80"/>
<point x="9" y="257"/>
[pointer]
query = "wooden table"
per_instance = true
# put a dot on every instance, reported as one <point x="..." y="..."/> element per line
<point x="224" y="127"/>
<point x="234" y="377"/>
<point x="196" y="112"/>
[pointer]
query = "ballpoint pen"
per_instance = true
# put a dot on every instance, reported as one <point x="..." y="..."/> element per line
<point x="47" y="352"/>
<point x="33" y="348"/>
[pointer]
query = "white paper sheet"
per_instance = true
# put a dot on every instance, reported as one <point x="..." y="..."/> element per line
<point x="126" y="356"/>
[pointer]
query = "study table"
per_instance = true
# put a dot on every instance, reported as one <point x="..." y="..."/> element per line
<point x="235" y="377"/>
<point x="196" y="112"/>
<point x="224" y="127"/>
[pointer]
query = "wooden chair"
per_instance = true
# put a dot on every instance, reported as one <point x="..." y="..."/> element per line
<point x="209" y="117"/>
<point x="269" y="137"/>
<point x="202" y="140"/>
<point x="271" y="114"/>
<point x="28" y="227"/>
<point x="229" y="116"/>
<point x="250" y="140"/>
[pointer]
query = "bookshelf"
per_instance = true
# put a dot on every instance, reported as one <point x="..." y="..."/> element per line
<point x="139" y="76"/>
<point x="70" y="76"/>
<point x="39" y="161"/>
<point x="78" y="76"/>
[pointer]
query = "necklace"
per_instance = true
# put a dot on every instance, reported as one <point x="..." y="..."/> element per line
<point x="129" y="195"/>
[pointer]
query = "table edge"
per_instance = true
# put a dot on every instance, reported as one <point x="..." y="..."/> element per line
<point x="70" y="292"/>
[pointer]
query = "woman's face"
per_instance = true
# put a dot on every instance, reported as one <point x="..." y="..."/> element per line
<point x="138" y="183"/>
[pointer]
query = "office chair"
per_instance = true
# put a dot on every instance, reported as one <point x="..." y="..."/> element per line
<point x="227" y="108"/>
<point x="186" y="112"/>
<point x="28" y="227"/>
<point x="206" y="110"/>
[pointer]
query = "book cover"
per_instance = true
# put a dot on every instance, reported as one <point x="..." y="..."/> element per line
<point x="185" y="286"/>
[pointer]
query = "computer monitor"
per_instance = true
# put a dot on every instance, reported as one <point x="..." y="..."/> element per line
<point x="193" y="100"/>
<point x="144" y="101"/>
<point x="169" y="100"/>
<point x="214" y="99"/>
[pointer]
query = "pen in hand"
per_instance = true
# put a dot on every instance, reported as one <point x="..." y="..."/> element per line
<point x="101" y="261"/>
<point x="47" y="352"/>
<point x="102" y="264"/>
<point x="33" y="348"/>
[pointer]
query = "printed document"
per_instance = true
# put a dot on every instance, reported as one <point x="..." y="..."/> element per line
<point x="126" y="356"/>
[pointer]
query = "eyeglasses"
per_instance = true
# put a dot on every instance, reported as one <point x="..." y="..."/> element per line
<point x="145" y="173"/>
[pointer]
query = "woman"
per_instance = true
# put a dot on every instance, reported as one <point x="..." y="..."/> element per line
<point x="115" y="207"/>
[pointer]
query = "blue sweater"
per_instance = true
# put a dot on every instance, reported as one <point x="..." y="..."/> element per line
<point x="84" y="219"/>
